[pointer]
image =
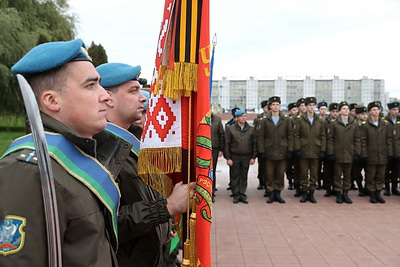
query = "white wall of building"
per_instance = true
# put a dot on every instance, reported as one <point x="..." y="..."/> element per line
<point x="251" y="93"/>
<point x="309" y="87"/>
<point x="280" y="89"/>
<point x="337" y="90"/>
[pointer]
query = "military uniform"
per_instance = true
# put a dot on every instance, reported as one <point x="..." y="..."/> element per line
<point x="86" y="234"/>
<point x="218" y="142"/>
<point x="328" y="165"/>
<point x="376" y="147"/>
<point x="343" y="144"/>
<point x="396" y="142"/>
<point x="261" y="163"/>
<point x="276" y="142"/>
<point x="310" y="141"/>
<point x="392" y="174"/>
<point x="240" y="147"/>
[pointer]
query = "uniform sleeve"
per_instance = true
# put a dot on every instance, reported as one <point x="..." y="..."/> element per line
<point x="296" y="134"/>
<point x="141" y="217"/>
<point x="260" y="136"/>
<point x="396" y="141"/>
<point x="228" y="136"/>
<point x="357" y="141"/>
<point x="21" y="202"/>
<point x="389" y="139"/>
<point x="330" y="141"/>
<point x="290" y="136"/>
<point x="254" y="144"/>
<point x="363" y="139"/>
<point x="323" y="138"/>
<point x="221" y="135"/>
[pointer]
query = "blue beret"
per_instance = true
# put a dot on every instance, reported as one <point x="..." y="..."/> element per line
<point x="239" y="112"/>
<point x="49" y="56"/>
<point x="113" y="74"/>
<point x="146" y="95"/>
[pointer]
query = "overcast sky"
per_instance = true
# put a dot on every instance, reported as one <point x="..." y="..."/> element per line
<point x="262" y="38"/>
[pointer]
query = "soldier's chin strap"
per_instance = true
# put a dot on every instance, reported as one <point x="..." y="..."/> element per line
<point x="46" y="174"/>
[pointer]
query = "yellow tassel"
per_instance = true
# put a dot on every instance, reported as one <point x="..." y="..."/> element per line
<point x="159" y="182"/>
<point x="160" y="160"/>
<point x="181" y="81"/>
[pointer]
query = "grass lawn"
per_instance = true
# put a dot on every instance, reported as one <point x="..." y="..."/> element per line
<point x="6" y="139"/>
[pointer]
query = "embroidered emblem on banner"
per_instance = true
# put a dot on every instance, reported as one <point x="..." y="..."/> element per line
<point x="12" y="236"/>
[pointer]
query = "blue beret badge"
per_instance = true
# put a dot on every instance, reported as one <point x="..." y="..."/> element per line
<point x="12" y="238"/>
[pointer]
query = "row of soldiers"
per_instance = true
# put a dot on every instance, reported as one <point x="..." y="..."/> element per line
<point x="312" y="148"/>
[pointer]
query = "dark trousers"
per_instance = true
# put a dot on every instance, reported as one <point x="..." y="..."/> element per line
<point x="342" y="182"/>
<point x="392" y="172"/>
<point x="328" y="173"/>
<point x="275" y="173"/>
<point x="296" y="169"/>
<point x="261" y="171"/>
<point x="308" y="182"/>
<point x="290" y="170"/>
<point x="238" y="174"/>
<point x="357" y="172"/>
<point x="375" y="177"/>
<point x="215" y="161"/>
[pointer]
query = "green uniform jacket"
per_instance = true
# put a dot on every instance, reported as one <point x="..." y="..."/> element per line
<point x="84" y="231"/>
<point x="217" y="133"/>
<point x="240" y="142"/>
<point x="328" y="122"/>
<point x="376" y="141"/>
<point x="273" y="140"/>
<point x="344" y="140"/>
<point x="396" y="140"/>
<point x="309" y="139"/>
<point x="143" y="219"/>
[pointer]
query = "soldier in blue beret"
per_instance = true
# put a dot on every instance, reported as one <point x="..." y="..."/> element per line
<point x="73" y="110"/>
<point x="141" y="233"/>
<point x="392" y="174"/>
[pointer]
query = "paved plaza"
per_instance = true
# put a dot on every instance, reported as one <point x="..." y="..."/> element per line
<point x="302" y="234"/>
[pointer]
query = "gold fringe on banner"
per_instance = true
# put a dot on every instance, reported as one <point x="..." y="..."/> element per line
<point x="167" y="160"/>
<point x="159" y="182"/>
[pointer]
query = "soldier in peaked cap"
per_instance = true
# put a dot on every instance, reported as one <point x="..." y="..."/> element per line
<point x="144" y="214"/>
<point x="328" y="165"/>
<point x="240" y="153"/>
<point x="322" y="108"/>
<point x="292" y="107"/>
<point x="342" y="147"/>
<point x="353" y="109"/>
<point x="310" y="146"/>
<point x="376" y="149"/>
<point x="275" y="145"/>
<point x="392" y="174"/>
<point x="73" y="109"/>
<point x="261" y="163"/>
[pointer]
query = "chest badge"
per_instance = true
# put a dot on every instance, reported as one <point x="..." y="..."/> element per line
<point x="12" y="236"/>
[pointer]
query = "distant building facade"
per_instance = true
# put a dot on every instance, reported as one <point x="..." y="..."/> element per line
<point x="227" y="94"/>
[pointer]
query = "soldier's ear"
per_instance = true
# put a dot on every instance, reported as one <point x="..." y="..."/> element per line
<point x="110" y="102"/>
<point x="50" y="100"/>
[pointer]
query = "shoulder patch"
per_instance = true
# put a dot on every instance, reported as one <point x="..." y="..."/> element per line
<point x="28" y="156"/>
<point x="12" y="236"/>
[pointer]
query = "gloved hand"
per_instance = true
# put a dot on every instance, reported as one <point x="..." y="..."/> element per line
<point x="262" y="156"/>
<point x="297" y="154"/>
<point x="357" y="158"/>
<point x="288" y="155"/>
<point x="321" y="155"/>
<point x="331" y="157"/>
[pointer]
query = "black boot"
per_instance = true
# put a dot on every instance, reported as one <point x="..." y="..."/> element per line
<point x="386" y="190"/>
<point x="260" y="186"/>
<point x="378" y="197"/>
<point x="298" y="192"/>
<point x="329" y="192"/>
<point x="319" y="186"/>
<point x="311" y="197"/>
<point x="278" y="197"/>
<point x="339" y="197"/>
<point x="361" y="191"/>
<point x="394" y="189"/>
<point x="304" y="198"/>
<point x="290" y="187"/>
<point x="372" y="196"/>
<point x="353" y="186"/>
<point x="271" y="197"/>
<point x="346" y="197"/>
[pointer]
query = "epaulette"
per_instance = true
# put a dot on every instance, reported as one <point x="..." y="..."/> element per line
<point x="286" y="115"/>
<point x="363" y="122"/>
<point x="27" y="156"/>
<point x="298" y="116"/>
<point x="398" y="122"/>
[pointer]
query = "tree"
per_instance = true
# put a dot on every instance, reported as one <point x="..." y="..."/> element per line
<point x="98" y="54"/>
<point x="25" y="24"/>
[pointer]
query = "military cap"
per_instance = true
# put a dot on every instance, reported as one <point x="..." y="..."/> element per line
<point x="113" y="74"/>
<point x="360" y="109"/>
<point x="342" y="104"/>
<point x="353" y="105"/>
<point x="322" y="104"/>
<point x="147" y="96"/>
<point x="310" y="100"/>
<point x="273" y="99"/>
<point x="300" y="101"/>
<point x="233" y="111"/>
<point x="333" y="106"/>
<point x="49" y="56"/>
<point x="292" y="105"/>
<point x="239" y="112"/>
<point x="393" y="105"/>
<point x="264" y="103"/>
<point x="374" y="104"/>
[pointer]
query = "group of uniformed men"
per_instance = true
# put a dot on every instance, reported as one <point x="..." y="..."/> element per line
<point x="315" y="149"/>
<point x="88" y="114"/>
